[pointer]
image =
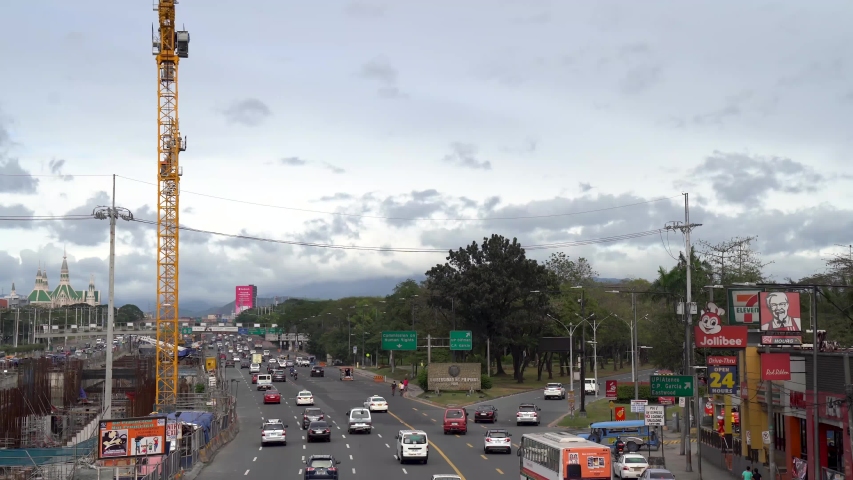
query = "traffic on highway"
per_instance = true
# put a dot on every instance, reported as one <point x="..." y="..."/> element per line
<point x="322" y="427"/>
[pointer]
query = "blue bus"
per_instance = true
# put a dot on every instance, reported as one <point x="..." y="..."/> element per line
<point x="634" y="433"/>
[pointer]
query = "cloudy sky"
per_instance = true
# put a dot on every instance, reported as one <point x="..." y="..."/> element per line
<point x="425" y="125"/>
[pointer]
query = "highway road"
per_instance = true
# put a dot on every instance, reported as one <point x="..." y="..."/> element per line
<point x="367" y="456"/>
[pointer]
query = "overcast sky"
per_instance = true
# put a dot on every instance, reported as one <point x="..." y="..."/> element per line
<point x="373" y="123"/>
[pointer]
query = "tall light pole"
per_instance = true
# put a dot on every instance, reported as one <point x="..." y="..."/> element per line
<point x="595" y="326"/>
<point x="113" y="214"/>
<point x="570" y="329"/>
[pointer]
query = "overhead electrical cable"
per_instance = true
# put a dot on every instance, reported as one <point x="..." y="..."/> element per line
<point x="425" y="219"/>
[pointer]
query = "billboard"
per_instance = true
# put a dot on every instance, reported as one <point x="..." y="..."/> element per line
<point x="780" y="318"/>
<point x="776" y="366"/>
<point x="719" y="336"/>
<point x="131" y="437"/>
<point x="244" y="298"/>
<point x="743" y="306"/>
<point x="454" y="376"/>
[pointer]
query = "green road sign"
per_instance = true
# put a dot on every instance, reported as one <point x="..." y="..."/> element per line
<point x="256" y="331"/>
<point x="400" y="340"/>
<point x="672" y="386"/>
<point x="186" y="330"/>
<point x="461" y="340"/>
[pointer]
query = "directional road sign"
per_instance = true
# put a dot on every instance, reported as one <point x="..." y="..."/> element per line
<point x="672" y="385"/>
<point x="186" y="330"/>
<point x="461" y="340"/>
<point x="400" y="340"/>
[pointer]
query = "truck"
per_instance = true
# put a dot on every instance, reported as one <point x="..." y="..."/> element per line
<point x="257" y="358"/>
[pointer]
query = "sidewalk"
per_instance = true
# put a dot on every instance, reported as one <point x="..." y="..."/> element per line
<point x="676" y="464"/>
<point x="414" y="390"/>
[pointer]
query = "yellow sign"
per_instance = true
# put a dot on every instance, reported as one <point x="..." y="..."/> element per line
<point x="612" y="404"/>
<point x="210" y="363"/>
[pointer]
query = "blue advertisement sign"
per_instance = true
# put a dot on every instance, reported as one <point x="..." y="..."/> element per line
<point x="723" y="380"/>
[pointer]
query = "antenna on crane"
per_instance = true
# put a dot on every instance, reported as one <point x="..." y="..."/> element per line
<point x="168" y="46"/>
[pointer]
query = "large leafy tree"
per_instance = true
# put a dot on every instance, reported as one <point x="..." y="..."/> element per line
<point x="129" y="313"/>
<point x="571" y="272"/>
<point x="490" y="284"/>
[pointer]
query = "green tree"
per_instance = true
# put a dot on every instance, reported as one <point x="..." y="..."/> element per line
<point x="571" y="272"/>
<point x="129" y="313"/>
<point x="491" y="285"/>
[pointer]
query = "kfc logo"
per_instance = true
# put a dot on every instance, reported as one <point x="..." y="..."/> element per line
<point x="725" y="337"/>
<point x="710" y="322"/>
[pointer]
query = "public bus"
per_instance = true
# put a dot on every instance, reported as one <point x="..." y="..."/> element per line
<point x="635" y="433"/>
<point x="562" y="456"/>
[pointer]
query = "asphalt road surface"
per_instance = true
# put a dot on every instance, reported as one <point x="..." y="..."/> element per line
<point x="366" y="456"/>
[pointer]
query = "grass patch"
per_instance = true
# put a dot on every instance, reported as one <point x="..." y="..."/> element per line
<point x="597" y="411"/>
<point x="460" y="399"/>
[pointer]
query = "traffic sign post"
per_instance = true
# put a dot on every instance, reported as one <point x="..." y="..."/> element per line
<point x="400" y="340"/>
<point x="461" y="340"/>
<point x="655" y="415"/>
<point x="672" y="386"/>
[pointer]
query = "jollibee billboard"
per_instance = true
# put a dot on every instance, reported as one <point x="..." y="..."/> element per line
<point x="720" y="336"/>
<point x="243" y="298"/>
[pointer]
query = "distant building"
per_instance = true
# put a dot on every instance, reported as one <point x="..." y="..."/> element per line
<point x="13" y="300"/>
<point x="64" y="294"/>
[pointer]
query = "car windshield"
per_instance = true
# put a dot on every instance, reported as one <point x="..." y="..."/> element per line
<point x="377" y="399"/>
<point x="414" y="439"/>
<point x="272" y="392"/>
<point x="663" y="475"/>
<point x="485" y="408"/>
<point x="454" y="414"/>
<point x="553" y="385"/>
<point x="359" y="414"/>
<point x="273" y="426"/>
<point x="304" y="394"/>
<point x="634" y="460"/>
<point x="312" y="411"/>
<point x="319" y="425"/>
<point x="497" y="434"/>
<point x="322" y="463"/>
<point x="526" y="408"/>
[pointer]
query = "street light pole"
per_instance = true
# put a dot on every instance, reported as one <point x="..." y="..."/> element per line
<point x="113" y="214"/>
<point x="634" y="356"/>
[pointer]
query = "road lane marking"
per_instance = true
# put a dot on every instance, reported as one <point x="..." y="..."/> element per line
<point x="515" y="445"/>
<point x="245" y="473"/>
<point x="350" y="457"/>
<point x="424" y="414"/>
<point x="387" y="446"/>
<point x="303" y="458"/>
<point x="484" y="457"/>
<point x="500" y="471"/>
<point x="260" y="448"/>
<point x="303" y="447"/>
<point x="353" y="470"/>
<point x="379" y="434"/>
<point x="300" y="471"/>
<point x="432" y="419"/>
<point x="255" y="459"/>
<point x="404" y="471"/>
<point x="471" y="446"/>
<point x="348" y="445"/>
<point x="343" y="436"/>
<point x="457" y="435"/>
<point x="433" y="445"/>
<point x="415" y="409"/>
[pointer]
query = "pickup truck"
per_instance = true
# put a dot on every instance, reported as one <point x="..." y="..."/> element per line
<point x="302" y="362"/>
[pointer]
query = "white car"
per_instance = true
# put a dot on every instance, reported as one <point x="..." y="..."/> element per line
<point x="376" y="404"/>
<point x="255" y="368"/>
<point x="497" y="439"/>
<point x="630" y="465"/>
<point x="304" y="398"/>
<point x="554" y="390"/>
<point x="273" y="431"/>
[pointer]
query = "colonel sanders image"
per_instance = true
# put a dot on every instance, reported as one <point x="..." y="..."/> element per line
<point x="778" y="304"/>
<point x="709" y="323"/>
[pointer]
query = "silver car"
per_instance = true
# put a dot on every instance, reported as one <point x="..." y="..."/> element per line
<point x="497" y="440"/>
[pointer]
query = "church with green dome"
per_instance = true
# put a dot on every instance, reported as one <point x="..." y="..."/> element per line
<point x="64" y="294"/>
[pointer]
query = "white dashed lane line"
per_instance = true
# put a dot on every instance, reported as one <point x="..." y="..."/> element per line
<point x="348" y="445"/>
<point x="255" y="459"/>
<point x="245" y="473"/>
<point x="387" y="446"/>
<point x="404" y="471"/>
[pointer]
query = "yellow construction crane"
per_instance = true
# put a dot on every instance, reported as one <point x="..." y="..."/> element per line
<point x="169" y="45"/>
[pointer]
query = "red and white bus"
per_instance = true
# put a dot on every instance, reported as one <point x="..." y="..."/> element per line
<point x="563" y="456"/>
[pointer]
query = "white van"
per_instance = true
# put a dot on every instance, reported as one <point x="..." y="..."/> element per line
<point x="590" y="387"/>
<point x="412" y="445"/>
<point x="359" y="421"/>
<point x="264" y="381"/>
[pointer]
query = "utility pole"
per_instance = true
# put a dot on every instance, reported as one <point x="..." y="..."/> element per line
<point x="686" y="227"/>
<point x="635" y="364"/>
<point x="771" y="453"/>
<point x="582" y="411"/>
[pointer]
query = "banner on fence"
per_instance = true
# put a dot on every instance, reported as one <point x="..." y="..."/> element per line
<point x="131" y="437"/>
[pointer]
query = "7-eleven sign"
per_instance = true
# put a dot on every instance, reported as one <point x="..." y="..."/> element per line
<point x="744" y="306"/>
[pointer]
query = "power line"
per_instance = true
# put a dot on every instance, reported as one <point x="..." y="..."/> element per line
<point x="427" y="219"/>
<point x="55" y="175"/>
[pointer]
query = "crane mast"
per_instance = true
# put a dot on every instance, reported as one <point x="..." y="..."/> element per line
<point x="169" y="45"/>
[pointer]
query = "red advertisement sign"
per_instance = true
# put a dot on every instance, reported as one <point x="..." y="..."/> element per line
<point x="775" y="366"/>
<point x="721" y="361"/>
<point x="610" y="389"/>
<point x="720" y="336"/>
<point x="666" y="400"/>
<point x="780" y="318"/>
<point x="243" y="299"/>
<point x="620" y="413"/>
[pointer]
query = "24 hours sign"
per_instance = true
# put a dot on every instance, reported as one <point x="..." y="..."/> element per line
<point x="722" y="380"/>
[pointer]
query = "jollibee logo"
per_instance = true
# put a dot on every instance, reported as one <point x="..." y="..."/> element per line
<point x="710" y="322"/>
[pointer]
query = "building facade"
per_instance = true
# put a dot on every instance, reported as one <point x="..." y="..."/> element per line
<point x="64" y="294"/>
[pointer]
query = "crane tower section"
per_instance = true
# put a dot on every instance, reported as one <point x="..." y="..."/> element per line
<point x="169" y="45"/>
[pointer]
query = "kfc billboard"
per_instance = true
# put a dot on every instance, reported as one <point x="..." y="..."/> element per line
<point x="780" y="318"/>
<point x="720" y="336"/>
<point x="776" y="366"/>
<point x="243" y="299"/>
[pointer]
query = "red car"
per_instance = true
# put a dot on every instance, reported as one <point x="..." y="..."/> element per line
<point x="272" y="396"/>
<point x="254" y="378"/>
<point x="455" y="420"/>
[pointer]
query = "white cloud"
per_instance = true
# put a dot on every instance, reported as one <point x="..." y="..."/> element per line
<point x="375" y="109"/>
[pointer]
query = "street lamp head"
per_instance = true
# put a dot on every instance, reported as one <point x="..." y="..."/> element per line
<point x="577" y="286"/>
<point x="612" y="291"/>
<point x="700" y="367"/>
<point x="714" y="286"/>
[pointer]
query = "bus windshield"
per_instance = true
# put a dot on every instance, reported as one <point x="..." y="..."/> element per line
<point x="634" y="433"/>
